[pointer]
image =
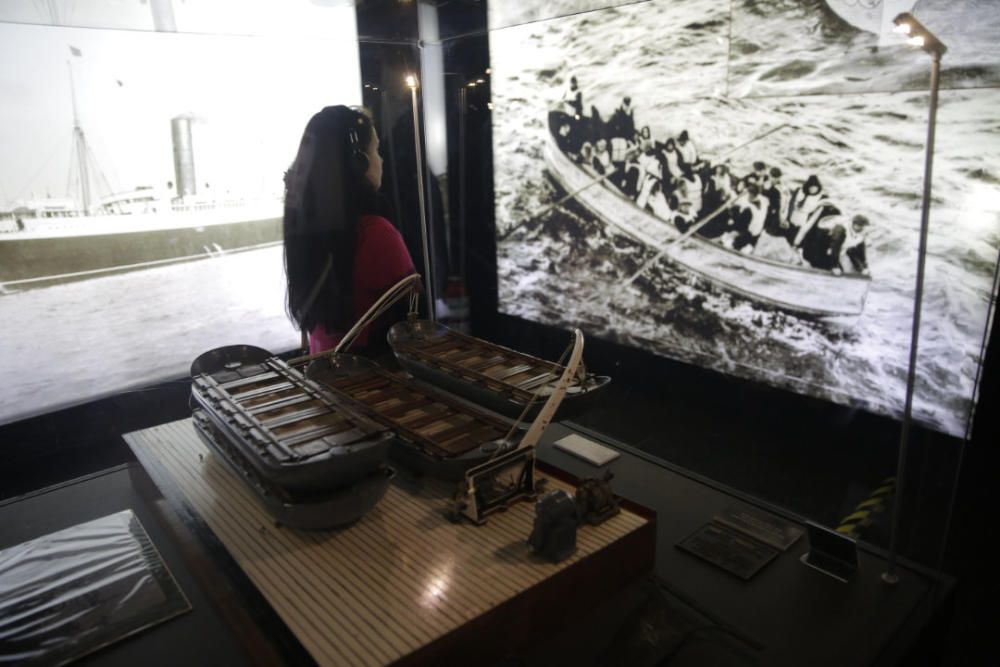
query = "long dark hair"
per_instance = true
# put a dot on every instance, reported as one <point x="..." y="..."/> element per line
<point x="326" y="193"/>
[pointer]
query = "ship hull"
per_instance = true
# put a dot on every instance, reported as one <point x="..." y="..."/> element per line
<point x="36" y="259"/>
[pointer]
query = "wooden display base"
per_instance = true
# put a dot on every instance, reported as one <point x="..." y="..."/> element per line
<point x="403" y="584"/>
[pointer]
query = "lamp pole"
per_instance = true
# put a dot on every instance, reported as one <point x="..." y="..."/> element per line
<point x="461" y="180"/>
<point x="920" y="37"/>
<point x="411" y="82"/>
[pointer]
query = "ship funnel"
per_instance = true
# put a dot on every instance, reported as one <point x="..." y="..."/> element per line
<point x="180" y="129"/>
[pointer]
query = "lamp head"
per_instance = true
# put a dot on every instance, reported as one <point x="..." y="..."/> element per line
<point x="411" y="81"/>
<point x="920" y="36"/>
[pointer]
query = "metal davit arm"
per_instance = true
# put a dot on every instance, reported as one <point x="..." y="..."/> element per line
<point x="407" y="285"/>
<point x="483" y="491"/>
<point x="548" y="410"/>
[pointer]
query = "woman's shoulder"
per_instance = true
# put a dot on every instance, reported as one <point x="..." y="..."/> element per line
<point x="379" y="238"/>
<point x="376" y="231"/>
<point x="376" y="224"/>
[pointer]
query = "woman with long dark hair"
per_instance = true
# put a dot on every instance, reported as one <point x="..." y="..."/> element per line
<point x="340" y="255"/>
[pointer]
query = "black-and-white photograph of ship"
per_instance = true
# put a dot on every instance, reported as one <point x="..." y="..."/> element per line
<point x="737" y="185"/>
<point x="84" y="233"/>
<point x="141" y="193"/>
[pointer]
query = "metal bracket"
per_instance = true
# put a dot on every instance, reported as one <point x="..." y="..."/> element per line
<point x="493" y="486"/>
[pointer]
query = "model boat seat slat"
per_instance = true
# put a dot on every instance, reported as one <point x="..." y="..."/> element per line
<point x="359" y="384"/>
<point x="470" y="440"/>
<point x="461" y="356"/>
<point x="257" y="390"/>
<point x="435" y="413"/>
<point x="511" y="372"/>
<point x="311" y="433"/>
<point x="454" y="431"/>
<point x="384" y="395"/>
<point x="290" y="418"/>
<point x="286" y="400"/>
<point x="402" y="409"/>
<point x="494" y="360"/>
<point x="533" y="382"/>
<point x="440" y="345"/>
<point x="235" y="387"/>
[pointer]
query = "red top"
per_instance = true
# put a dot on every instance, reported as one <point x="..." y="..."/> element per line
<point x="380" y="261"/>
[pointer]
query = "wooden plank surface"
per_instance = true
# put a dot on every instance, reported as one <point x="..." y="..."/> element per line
<point x="397" y="580"/>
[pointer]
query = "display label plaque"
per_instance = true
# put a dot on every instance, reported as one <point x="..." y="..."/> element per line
<point x="767" y="529"/>
<point x="729" y="549"/>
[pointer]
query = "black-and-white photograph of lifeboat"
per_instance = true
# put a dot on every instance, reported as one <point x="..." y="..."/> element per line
<point x="651" y="213"/>
<point x="737" y="185"/>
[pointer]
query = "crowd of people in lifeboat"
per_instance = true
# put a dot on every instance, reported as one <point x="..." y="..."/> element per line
<point x="673" y="182"/>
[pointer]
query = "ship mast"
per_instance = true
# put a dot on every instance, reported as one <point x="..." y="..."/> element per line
<point x="80" y="145"/>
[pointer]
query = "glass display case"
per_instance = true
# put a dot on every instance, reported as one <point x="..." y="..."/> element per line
<point x="724" y="196"/>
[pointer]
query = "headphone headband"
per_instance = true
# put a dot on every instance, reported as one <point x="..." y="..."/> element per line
<point x="359" y="152"/>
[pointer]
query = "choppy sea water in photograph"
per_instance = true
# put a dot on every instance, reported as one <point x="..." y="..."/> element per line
<point x="505" y="13"/>
<point x="567" y="269"/>
<point x="73" y="342"/>
<point x="798" y="47"/>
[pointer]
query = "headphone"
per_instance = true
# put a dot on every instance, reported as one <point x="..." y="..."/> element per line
<point x="359" y="154"/>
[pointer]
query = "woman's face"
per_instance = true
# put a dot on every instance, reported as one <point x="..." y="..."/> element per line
<point x="374" y="173"/>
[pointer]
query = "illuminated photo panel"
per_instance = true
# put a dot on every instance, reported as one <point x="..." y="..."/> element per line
<point x="655" y="186"/>
<point x="141" y="196"/>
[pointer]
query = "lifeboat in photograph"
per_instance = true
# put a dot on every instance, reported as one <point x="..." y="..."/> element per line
<point x="796" y="288"/>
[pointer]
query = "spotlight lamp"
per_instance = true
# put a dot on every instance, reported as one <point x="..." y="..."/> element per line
<point x="412" y="83"/>
<point x="920" y="36"/>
